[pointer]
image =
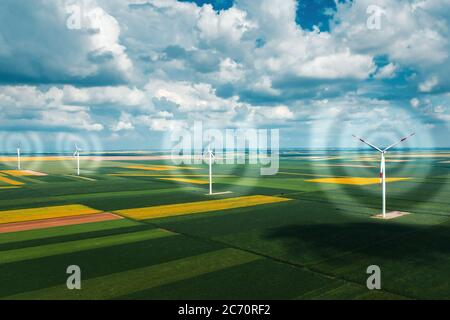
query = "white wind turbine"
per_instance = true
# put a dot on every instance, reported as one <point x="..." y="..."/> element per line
<point x="18" y="157"/>
<point x="211" y="157"/>
<point x="77" y="155"/>
<point x="383" y="166"/>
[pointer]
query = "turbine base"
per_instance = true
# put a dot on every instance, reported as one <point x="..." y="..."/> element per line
<point x="391" y="215"/>
<point x="218" y="193"/>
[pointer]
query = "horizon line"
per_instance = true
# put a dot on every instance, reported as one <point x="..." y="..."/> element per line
<point x="227" y="150"/>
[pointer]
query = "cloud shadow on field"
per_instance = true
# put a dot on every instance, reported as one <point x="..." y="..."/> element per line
<point x="371" y="240"/>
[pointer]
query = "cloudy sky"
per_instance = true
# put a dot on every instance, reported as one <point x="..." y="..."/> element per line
<point x="122" y="74"/>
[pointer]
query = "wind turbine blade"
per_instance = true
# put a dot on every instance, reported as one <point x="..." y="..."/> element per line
<point x="403" y="139"/>
<point x="369" y="144"/>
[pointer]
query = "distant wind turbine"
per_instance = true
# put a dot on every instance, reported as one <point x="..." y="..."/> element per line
<point x="211" y="156"/>
<point x="77" y="155"/>
<point x="383" y="166"/>
<point x="18" y="157"/>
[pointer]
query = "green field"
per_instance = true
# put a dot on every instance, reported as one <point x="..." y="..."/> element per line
<point x="316" y="246"/>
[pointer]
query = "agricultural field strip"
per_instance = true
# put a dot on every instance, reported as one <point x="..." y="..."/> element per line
<point x="198" y="207"/>
<point x="442" y="180"/>
<point x="119" y="284"/>
<point x="440" y="198"/>
<point x="33" y="238"/>
<point x="343" y="165"/>
<point x="23" y="173"/>
<point x="48" y="250"/>
<point x="354" y="180"/>
<point x="32" y="180"/>
<point x="310" y="174"/>
<point x="335" y="293"/>
<point x="32" y="159"/>
<point x="127" y="193"/>
<point x="320" y="291"/>
<point x="345" y="195"/>
<point x="193" y="181"/>
<point x="158" y="167"/>
<point x="410" y="179"/>
<point x="141" y="174"/>
<point x="394" y="194"/>
<point x="435" y="201"/>
<point x="349" y="205"/>
<point x="21" y="215"/>
<point x="275" y="183"/>
<point x="74" y="177"/>
<point x="315" y="294"/>
<point x="88" y="196"/>
<point x="57" y="222"/>
<point x="433" y="180"/>
<point x="418" y="155"/>
<point x="301" y="266"/>
<point x="10" y="181"/>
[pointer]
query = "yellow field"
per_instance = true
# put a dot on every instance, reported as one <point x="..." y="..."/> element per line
<point x="378" y="160"/>
<point x="198" y="207"/>
<point x="10" y="181"/>
<point x="167" y="175"/>
<point x="159" y="168"/>
<point x="22" y="215"/>
<point x="194" y="181"/>
<point x="345" y="165"/>
<point x="355" y="180"/>
<point x="14" y="159"/>
<point x="22" y="173"/>
<point x="305" y="174"/>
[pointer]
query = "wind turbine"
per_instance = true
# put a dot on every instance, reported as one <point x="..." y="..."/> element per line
<point x="77" y="155"/>
<point x="18" y="157"/>
<point x="211" y="156"/>
<point x="383" y="166"/>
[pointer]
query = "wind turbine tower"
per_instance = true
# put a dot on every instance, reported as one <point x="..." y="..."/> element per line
<point x="77" y="155"/>
<point x="18" y="158"/>
<point x="211" y="157"/>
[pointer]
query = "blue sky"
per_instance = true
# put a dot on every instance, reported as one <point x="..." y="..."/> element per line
<point x="115" y="74"/>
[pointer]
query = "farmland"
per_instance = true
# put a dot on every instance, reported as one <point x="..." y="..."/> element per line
<point x="305" y="233"/>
